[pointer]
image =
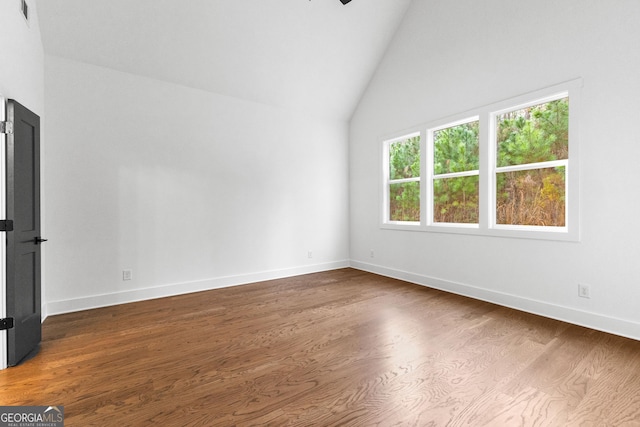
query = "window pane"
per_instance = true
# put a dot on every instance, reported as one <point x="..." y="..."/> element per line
<point x="531" y="197"/>
<point x="455" y="149"/>
<point x="534" y="134"/>
<point x="404" y="201"/>
<point x="404" y="158"/>
<point x="456" y="200"/>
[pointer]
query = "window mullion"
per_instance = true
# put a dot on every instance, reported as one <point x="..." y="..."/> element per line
<point x="425" y="192"/>
<point x="428" y="174"/>
<point x="457" y="174"/>
<point x="487" y="164"/>
<point x="404" y="180"/>
<point x="533" y="166"/>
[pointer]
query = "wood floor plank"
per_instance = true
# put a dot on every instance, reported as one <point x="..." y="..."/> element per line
<point x="339" y="348"/>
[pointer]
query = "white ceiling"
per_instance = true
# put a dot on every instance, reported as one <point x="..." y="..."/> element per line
<point x="314" y="56"/>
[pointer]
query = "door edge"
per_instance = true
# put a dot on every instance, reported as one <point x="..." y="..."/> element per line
<point x="3" y="236"/>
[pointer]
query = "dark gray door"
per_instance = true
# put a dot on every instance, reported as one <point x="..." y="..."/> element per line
<point x="24" y="242"/>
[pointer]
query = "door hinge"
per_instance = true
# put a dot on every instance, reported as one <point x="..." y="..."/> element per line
<point x="6" y="323"/>
<point x="6" y="225"/>
<point x="6" y="127"/>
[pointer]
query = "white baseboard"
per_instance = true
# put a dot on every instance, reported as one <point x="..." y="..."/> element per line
<point x="590" y="320"/>
<point x="123" y="297"/>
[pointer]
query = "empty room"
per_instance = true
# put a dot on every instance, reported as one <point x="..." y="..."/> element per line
<point x="319" y="213"/>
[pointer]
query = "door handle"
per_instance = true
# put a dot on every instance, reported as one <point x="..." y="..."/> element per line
<point x="37" y="240"/>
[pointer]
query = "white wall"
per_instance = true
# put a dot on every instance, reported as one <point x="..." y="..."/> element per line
<point x="189" y="189"/>
<point x="451" y="56"/>
<point x="21" y="78"/>
<point x="21" y="67"/>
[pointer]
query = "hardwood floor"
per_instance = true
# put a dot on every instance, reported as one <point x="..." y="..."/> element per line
<point x="343" y="348"/>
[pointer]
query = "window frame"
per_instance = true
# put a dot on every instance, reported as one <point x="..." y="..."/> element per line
<point x="432" y="176"/>
<point x="488" y="169"/>
<point x="387" y="181"/>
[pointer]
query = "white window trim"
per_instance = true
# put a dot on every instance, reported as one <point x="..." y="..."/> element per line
<point x="386" y="182"/>
<point x="487" y="197"/>
<point x="431" y="176"/>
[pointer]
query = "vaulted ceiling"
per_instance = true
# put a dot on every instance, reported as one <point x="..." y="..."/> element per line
<point x="313" y="56"/>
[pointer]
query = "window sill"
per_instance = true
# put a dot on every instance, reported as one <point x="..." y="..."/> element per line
<point x="514" y="232"/>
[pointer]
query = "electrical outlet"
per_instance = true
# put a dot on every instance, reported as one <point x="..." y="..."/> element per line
<point x="584" y="291"/>
<point x="309" y="254"/>
<point x="127" y="274"/>
<point x="372" y="254"/>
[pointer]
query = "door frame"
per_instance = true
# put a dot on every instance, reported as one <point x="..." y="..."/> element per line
<point x="3" y="236"/>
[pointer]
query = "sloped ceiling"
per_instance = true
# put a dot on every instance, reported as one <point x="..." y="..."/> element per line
<point x="314" y="56"/>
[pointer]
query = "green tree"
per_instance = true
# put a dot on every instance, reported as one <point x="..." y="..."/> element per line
<point x="456" y="149"/>
<point x="404" y="162"/>
<point x="404" y="158"/>
<point x="532" y="135"/>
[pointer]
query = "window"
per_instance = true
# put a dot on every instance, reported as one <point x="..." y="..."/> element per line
<point x="455" y="183"/>
<point x="403" y="179"/>
<point x="507" y="169"/>
<point x="532" y="155"/>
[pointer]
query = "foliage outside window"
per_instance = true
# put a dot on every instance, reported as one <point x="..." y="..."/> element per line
<point x="456" y="164"/>
<point x="506" y="169"/>
<point x="404" y="179"/>
<point x="532" y="151"/>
